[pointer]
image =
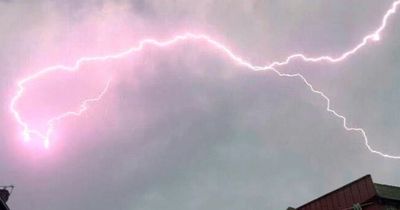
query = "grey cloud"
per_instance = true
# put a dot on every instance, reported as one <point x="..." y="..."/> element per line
<point x="189" y="129"/>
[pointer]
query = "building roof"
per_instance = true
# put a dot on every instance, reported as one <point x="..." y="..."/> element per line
<point x="351" y="190"/>
<point x="361" y="191"/>
<point x="387" y="191"/>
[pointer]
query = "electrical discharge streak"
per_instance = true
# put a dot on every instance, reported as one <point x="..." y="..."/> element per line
<point x="28" y="131"/>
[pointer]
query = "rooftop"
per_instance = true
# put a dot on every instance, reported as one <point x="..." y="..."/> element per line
<point x="361" y="192"/>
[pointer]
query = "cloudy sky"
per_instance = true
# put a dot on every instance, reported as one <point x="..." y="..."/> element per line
<point x="184" y="127"/>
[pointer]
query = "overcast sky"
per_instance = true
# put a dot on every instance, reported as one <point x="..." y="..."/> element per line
<point x="184" y="127"/>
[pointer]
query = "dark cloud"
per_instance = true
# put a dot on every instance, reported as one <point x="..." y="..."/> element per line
<point x="187" y="129"/>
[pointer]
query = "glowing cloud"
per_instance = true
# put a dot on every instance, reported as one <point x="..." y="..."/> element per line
<point x="28" y="131"/>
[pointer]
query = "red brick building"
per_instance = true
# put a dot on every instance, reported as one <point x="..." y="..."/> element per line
<point x="360" y="194"/>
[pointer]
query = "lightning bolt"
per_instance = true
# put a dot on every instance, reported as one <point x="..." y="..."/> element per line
<point x="372" y="37"/>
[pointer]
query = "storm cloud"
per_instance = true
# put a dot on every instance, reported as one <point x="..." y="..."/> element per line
<point x="185" y="128"/>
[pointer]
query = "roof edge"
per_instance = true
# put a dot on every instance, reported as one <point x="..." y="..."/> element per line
<point x="337" y="189"/>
